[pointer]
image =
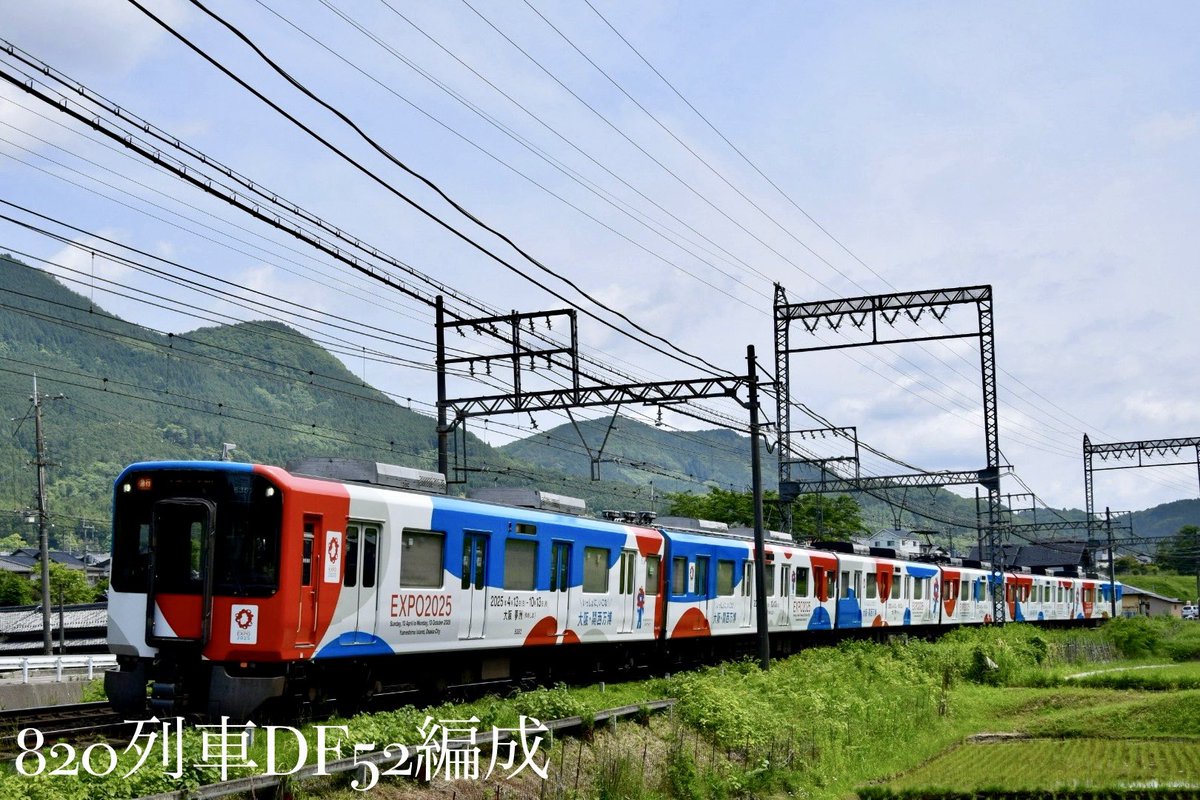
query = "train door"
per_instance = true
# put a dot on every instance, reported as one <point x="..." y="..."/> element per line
<point x="627" y="598"/>
<point x="746" y="606"/>
<point x="701" y="584"/>
<point x="359" y="579"/>
<point x="474" y="583"/>
<point x="310" y="569"/>
<point x="560" y="585"/>
<point x="181" y="553"/>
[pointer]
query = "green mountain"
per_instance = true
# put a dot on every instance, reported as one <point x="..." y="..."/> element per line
<point x="635" y="452"/>
<point x="133" y="394"/>
<point x="1166" y="519"/>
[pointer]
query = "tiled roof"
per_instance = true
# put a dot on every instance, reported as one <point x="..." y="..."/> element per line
<point x="26" y="619"/>
<point x="1131" y="590"/>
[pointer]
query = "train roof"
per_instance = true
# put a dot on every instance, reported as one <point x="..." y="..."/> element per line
<point x="373" y="473"/>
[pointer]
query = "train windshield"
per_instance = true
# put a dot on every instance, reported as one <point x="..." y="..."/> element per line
<point x="172" y="519"/>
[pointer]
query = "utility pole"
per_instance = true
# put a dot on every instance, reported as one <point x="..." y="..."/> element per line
<point x="43" y="513"/>
<point x="760" y="551"/>
<point x="43" y="522"/>
<point x="1112" y="566"/>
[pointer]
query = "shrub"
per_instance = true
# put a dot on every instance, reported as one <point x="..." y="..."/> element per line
<point x="548" y="704"/>
<point x="1135" y="637"/>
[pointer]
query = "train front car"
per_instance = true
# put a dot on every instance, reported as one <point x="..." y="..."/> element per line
<point x="204" y="601"/>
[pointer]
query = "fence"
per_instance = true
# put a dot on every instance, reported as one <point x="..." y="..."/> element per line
<point x="29" y="664"/>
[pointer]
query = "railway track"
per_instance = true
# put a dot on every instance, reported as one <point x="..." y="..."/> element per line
<point x="75" y="722"/>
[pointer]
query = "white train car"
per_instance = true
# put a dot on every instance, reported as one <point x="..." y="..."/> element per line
<point x="966" y="594"/>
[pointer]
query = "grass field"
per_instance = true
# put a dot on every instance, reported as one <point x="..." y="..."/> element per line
<point x="1061" y="763"/>
<point x="1180" y="586"/>
<point x="816" y="726"/>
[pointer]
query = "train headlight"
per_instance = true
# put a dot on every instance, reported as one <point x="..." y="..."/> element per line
<point x="270" y="491"/>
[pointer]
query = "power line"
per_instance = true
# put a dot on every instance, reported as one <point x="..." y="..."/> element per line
<point x="682" y="356"/>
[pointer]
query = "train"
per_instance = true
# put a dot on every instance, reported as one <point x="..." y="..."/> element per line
<point x="245" y="589"/>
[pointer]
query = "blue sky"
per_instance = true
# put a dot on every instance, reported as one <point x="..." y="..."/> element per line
<point x="1049" y="150"/>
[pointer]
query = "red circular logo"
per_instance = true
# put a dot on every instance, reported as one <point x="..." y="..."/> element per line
<point x="244" y="618"/>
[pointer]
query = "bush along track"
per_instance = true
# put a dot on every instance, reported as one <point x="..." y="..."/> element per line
<point x="816" y="725"/>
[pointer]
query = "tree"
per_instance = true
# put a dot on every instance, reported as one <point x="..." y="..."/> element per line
<point x="14" y="541"/>
<point x="719" y="505"/>
<point x="819" y="516"/>
<point x="71" y="585"/>
<point x="15" y="590"/>
<point x="1181" y="552"/>
<point x="814" y="516"/>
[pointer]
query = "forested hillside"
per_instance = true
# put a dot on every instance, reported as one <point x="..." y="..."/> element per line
<point x="133" y="394"/>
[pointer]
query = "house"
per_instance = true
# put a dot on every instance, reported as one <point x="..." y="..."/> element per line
<point x="1144" y="603"/>
<point x="903" y="542"/>
<point x="26" y="561"/>
<point x="1073" y="557"/>
<point x="85" y="626"/>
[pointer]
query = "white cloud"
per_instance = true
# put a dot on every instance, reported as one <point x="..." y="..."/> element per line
<point x="1166" y="128"/>
<point x="108" y="36"/>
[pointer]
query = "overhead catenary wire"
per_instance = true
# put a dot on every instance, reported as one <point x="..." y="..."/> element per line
<point x="791" y="200"/>
<point x="606" y="197"/>
<point x="229" y="196"/>
<point x="665" y="347"/>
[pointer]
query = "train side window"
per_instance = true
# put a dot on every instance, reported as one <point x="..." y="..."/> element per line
<point x="370" y="555"/>
<point x="964" y="589"/>
<point x="307" y="555"/>
<point x="747" y="578"/>
<point x="872" y="588"/>
<point x="595" y="569"/>
<point x="918" y="588"/>
<point x="422" y="559"/>
<point x="896" y="588"/>
<point x="350" y="577"/>
<point x="627" y="563"/>
<point x="679" y="570"/>
<point x="845" y="584"/>
<point x="520" y="565"/>
<point x="769" y="579"/>
<point x="702" y="575"/>
<point x="474" y="559"/>
<point x="724" y="577"/>
<point x="560" y="554"/>
<point x="785" y="584"/>
<point x="802" y="582"/>
<point x="652" y="568"/>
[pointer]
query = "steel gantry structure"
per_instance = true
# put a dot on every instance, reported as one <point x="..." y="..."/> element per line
<point x="873" y="314"/>
<point x="517" y="353"/>
<point x="1141" y="450"/>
